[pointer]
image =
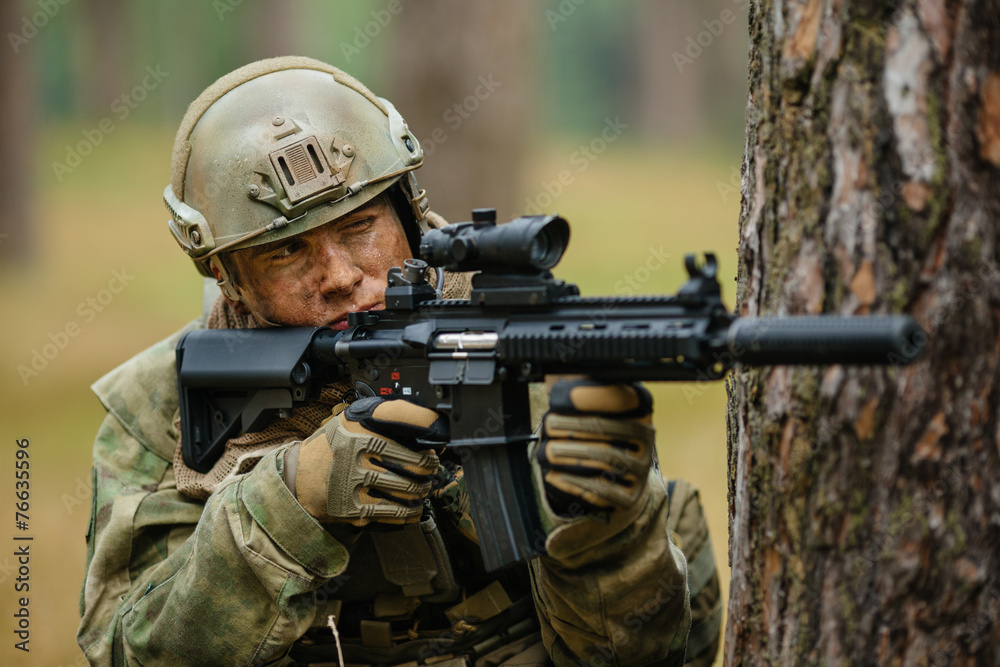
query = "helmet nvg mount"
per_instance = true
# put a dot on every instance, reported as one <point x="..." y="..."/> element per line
<point x="278" y="147"/>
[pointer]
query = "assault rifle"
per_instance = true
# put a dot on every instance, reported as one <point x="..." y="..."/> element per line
<point x="473" y="359"/>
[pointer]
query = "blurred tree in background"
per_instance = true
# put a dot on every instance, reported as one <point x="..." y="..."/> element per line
<point x="564" y="66"/>
<point x="448" y="92"/>
<point x="110" y="41"/>
<point x="17" y="152"/>
<point x="668" y="104"/>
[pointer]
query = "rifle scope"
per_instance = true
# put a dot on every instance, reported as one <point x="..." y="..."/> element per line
<point x="526" y="245"/>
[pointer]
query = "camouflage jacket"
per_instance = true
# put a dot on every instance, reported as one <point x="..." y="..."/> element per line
<point x="241" y="578"/>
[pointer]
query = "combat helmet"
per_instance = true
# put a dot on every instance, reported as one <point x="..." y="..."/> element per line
<point x="281" y="146"/>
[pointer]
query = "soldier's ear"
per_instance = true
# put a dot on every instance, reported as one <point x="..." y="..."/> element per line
<point x="225" y="283"/>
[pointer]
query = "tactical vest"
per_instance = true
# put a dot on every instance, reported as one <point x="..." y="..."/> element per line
<point x="417" y="595"/>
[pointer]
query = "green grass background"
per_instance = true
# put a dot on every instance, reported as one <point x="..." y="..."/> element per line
<point x="107" y="215"/>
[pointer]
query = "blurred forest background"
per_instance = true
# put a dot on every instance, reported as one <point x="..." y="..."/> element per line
<point x="624" y="116"/>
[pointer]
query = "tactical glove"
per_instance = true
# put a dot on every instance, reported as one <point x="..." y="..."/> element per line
<point x="596" y="447"/>
<point x="371" y="462"/>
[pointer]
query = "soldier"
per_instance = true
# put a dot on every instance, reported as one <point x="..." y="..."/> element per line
<point x="331" y="536"/>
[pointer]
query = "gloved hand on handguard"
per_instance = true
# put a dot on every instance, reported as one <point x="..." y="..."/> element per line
<point x="594" y="459"/>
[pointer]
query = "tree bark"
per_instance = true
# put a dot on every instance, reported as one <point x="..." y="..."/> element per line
<point x="865" y="502"/>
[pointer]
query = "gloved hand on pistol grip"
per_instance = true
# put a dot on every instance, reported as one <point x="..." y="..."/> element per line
<point x="596" y="448"/>
<point x="371" y="462"/>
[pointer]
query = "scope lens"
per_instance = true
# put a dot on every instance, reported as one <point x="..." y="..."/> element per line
<point x="548" y="242"/>
<point x="539" y="249"/>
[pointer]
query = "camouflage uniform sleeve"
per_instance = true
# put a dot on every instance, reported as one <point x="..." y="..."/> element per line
<point x="173" y="581"/>
<point x="620" y="599"/>
<point x="689" y="529"/>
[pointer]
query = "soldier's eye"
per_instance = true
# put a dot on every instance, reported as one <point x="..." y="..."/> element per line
<point x="359" y="225"/>
<point x="288" y="250"/>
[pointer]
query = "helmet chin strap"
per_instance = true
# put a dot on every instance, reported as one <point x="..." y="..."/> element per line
<point x="242" y="299"/>
<point x="233" y="292"/>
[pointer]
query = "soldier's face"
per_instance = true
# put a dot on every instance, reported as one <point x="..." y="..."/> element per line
<point x="319" y="276"/>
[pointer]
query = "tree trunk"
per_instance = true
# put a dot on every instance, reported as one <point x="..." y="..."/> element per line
<point x="274" y="28"/>
<point x="865" y="502"/>
<point x="17" y="138"/>
<point x="109" y="37"/>
<point x="669" y="104"/>
<point x="463" y="80"/>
